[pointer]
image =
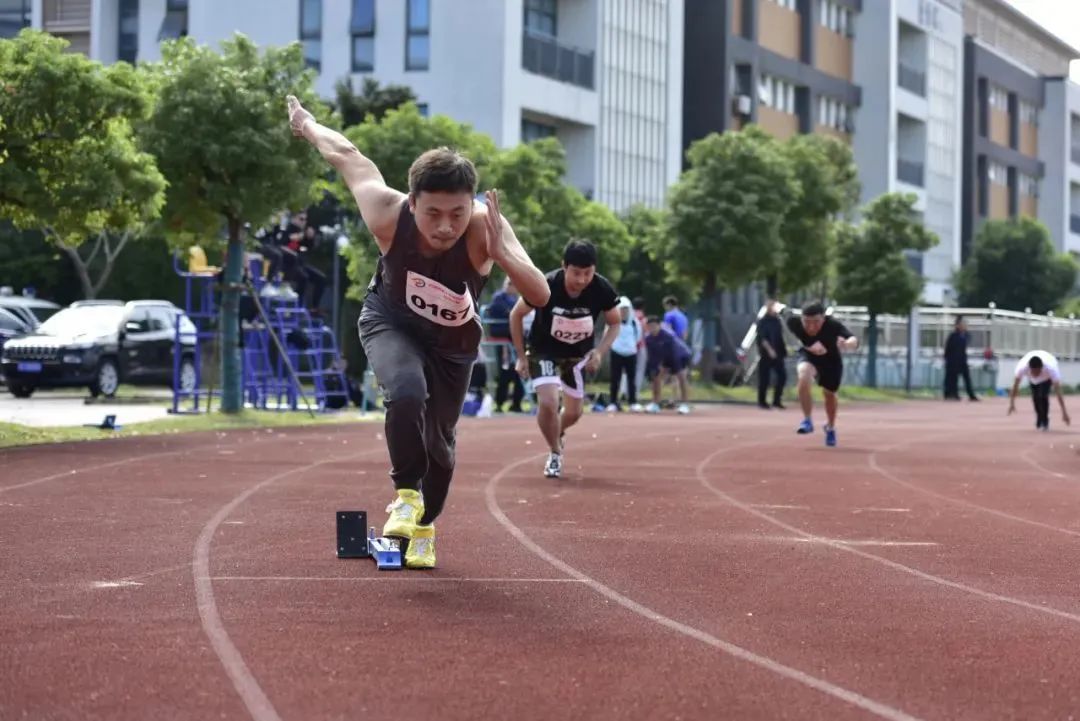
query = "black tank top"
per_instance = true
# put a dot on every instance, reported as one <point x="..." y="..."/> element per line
<point x="433" y="299"/>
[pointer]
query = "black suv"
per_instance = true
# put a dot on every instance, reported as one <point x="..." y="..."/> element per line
<point x="100" y="344"/>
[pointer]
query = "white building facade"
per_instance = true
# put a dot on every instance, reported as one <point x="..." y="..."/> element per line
<point x="603" y="76"/>
<point x="909" y="57"/>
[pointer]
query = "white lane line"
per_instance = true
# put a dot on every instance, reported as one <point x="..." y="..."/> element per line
<point x="792" y="674"/>
<point x="880" y="559"/>
<point x="391" y="578"/>
<point x="778" y="506"/>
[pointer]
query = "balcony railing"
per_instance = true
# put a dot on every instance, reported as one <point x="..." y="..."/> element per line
<point x="910" y="172"/>
<point x="1074" y="223"/>
<point x="545" y="56"/>
<point x="912" y="79"/>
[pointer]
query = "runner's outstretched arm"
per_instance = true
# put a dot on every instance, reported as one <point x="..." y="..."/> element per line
<point x="504" y="248"/>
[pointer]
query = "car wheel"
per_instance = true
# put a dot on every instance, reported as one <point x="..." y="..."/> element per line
<point x="21" y="390"/>
<point x="106" y="380"/>
<point x="187" y="378"/>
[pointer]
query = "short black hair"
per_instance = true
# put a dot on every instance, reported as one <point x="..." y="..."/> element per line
<point x="639" y="302"/>
<point x="442" y="170"/>
<point x="652" y="319"/>
<point x="579" y="253"/>
<point x="814" y="307"/>
<point x="958" y="320"/>
<point x="671" y="300"/>
<point x="1035" y="363"/>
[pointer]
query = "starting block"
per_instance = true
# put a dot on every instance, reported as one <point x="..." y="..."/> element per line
<point x="357" y="540"/>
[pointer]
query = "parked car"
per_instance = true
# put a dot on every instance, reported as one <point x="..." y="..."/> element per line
<point x="99" y="344"/>
<point x="11" y="326"/>
<point x="32" y="311"/>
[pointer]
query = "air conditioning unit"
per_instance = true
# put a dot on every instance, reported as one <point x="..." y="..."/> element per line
<point x="743" y="104"/>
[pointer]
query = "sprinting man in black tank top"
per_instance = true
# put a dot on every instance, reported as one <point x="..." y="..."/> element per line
<point x="420" y="326"/>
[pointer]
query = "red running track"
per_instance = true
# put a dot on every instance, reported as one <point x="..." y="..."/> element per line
<point x="715" y="566"/>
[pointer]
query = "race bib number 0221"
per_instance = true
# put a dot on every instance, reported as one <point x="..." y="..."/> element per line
<point x="571" y="330"/>
<point x="433" y="301"/>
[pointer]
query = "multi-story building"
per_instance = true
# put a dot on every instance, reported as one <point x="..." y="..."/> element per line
<point x="783" y="64"/>
<point x="1017" y="123"/>
<point x="908" y="56"/>
<point x="603" y="76"/>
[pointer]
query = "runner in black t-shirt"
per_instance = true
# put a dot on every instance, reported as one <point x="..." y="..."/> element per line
<point x="822" y="340"/>
<point x="560" y="344"/>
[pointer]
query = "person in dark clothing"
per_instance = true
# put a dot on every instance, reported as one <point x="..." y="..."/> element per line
<point x="498" y="316"/>
<point x="420" y="326"/>
<point x="771" y="355"/>
<point x="668" y="356"/>
<point x="956" y="362"/>
<point x="822" y="340"/>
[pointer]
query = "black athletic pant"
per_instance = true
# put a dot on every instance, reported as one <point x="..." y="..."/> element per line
<point x="766" y="367"/>
<point x="1040" y="396"/>
<point x="424" y="394"/>
<point x="507" y="377"/>
<point x="624" y="364"/>
<point x="952" y="378"/>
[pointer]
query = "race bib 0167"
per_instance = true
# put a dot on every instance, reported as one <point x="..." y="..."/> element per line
<point x="433" y="301"/>
<point x="571" y="330"/>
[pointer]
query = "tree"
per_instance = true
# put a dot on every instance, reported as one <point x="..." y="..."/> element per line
<point x="872" y="265"/>
<point x="727" y="210"/>
<point x="648" y="275"/>
<point x="372" y="100"/>
<point x="546" y="212"/>
<point x="71" y="167"/>
<point x="828" y="187"/>
<point x="1014" y="264"/>
<point x="220" y="136"/>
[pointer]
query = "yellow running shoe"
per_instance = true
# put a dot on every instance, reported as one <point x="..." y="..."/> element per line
<point x="421" y="553"/>
<point x="405" y="513"/>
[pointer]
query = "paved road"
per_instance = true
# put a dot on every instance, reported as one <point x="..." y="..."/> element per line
<point x="68" y="408"/>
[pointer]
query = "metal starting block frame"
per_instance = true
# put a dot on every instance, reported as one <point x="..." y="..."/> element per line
<point x="353" y="542"/>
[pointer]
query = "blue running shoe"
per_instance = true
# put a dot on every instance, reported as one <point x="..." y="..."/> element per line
<point x="830" y="436"/>
<point x="807" y="426"/>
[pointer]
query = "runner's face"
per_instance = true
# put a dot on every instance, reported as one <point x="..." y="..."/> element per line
<point x="577" y="279"/>
<point x="441" y="217"/>
<point x="812" y="323"/>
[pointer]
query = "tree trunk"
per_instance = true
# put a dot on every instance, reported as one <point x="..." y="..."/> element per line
<point x="871" y="351"/>
<point x="90" y="287"/>
<point x="232" y="390"/>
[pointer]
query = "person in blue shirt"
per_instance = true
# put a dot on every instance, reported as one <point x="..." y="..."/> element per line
<point x="668" y="356"/>
<point x="498" y="317"/>
<point x="675" y="319"/>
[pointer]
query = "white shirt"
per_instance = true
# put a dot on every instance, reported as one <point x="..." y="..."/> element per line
<point x="1049" y="370"/>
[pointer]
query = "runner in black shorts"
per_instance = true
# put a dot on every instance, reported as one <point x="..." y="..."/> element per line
<point x="560" y="349"/>
<point x="822" y="340"/>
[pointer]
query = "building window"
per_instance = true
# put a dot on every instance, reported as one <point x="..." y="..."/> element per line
<point x="999" y="98"/>
<point x="14" y="16"/>
<point x="363" y="36"/>
<point x="532" y="130"/>
<point x="1029" y="185"/>
<point x="541" y="17"/>
<point x="422" y="108"/>
<point x="175" y="24"/>
<point x="776" y="93"/>
<point x="418" y="35"/>
<point x="1029" y="113"/>
<point x="997" y="173"/>
<point x="127" y="44"/>
<point x="836" y="17"/>
<point x="836" y="115"/>
<point x="311" y="32"/>
<point x="789" y="4"/>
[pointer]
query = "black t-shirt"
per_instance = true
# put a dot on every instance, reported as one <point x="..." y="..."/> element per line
<point x="831" y="331"/>
<point x="564" y="327"/>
